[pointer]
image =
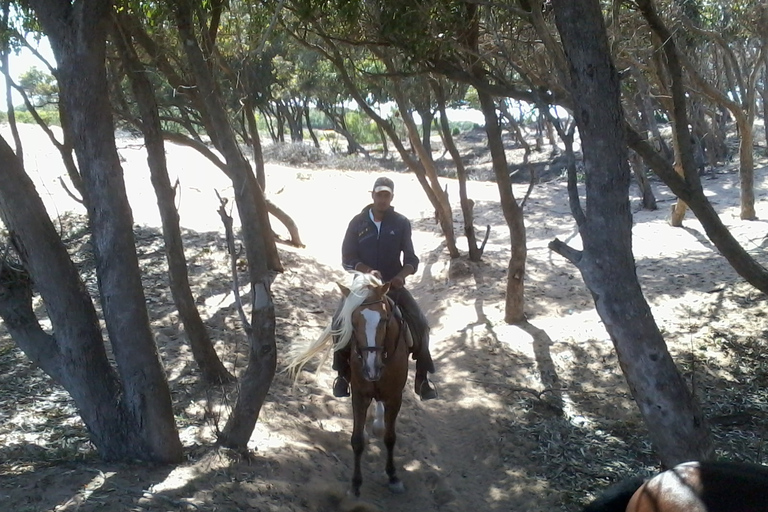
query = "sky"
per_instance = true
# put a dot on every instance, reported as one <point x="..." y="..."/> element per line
<point x="21" y="63"/>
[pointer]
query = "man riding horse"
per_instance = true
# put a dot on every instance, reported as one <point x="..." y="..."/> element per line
<point x="374" y="242"/>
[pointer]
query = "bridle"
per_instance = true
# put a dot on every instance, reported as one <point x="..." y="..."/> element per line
<point x="390" y="311"/>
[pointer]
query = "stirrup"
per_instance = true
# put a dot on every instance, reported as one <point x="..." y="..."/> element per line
<point x="426" y="391"/>
<point x="340" y="387"/>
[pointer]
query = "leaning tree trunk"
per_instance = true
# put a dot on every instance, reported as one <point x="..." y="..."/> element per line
<point x="258" y="242"/>
<point x="203" y="351"/>
<point x="688" y="188"/>
<point x="475" y="253"/>
<point x="75" y="355"/>
<point x="258" y="153"/>
<point x="77" y="34"/>
<point x="443" y="209"/>
<point x="676" y="425"/>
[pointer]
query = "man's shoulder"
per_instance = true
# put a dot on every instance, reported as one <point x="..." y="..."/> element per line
<point x="361" y="216"/>
<point x="398" y="217"/>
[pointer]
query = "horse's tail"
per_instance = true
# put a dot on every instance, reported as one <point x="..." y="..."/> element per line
<point x="616" y="498"/>
<point x="300" y="354"/>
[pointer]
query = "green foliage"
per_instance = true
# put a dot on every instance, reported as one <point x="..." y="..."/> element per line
<point x="460" y="127"/>
<point x="362" y="127"/>
<point x="41" y="87"/>
<point x="49" y="115"/>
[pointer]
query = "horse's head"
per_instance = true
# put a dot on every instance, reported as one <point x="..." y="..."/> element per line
<point x="374" y="328"/>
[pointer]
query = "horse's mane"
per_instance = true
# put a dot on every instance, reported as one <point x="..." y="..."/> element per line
<point x="300" y="354"/>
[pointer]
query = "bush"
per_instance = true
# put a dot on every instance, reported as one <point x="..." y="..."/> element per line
<point x="51" y="117"/>
<point x="292" y="153"/>
<point x="362" y="128"/>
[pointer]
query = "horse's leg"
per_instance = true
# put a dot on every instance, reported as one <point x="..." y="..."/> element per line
<point x="391" y="410"/>
<point x="359" y="412"/>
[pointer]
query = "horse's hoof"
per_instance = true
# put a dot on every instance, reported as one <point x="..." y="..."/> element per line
<point x="397" y="487"/>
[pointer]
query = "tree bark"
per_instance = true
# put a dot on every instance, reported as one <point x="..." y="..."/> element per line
<point x="676" y="424"/>
<point x="77" y="33"/>
<point x="203" y="351"/>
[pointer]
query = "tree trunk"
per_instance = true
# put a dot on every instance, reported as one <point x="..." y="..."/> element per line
<point x="746" y="167"/>
<point x="77" y="34"/>
<point x="309" y="126"/>
<point x="293" y="119"/>
<point x="443" y="208"/>
<point x="677" y="213"/>
<point x="11" y="113"/>
<point x="514" y="308"/>
<point x="514" y="126"/>
<point x="384" y="144"/>
<point x="643" y="183"/>
<point x="475" y="253"/>
<point x="258" y="153"/>
<point x="258" y="242"/>
<point x="688" y="188"/>
<point x="740" y="101"/>
<point x="203" y="351"/>
<point x="427" y="117"/>
<point x="764" y="95"/>
<point x="340" y="127"/>
<point x="676" y="424"/>
<point x="75" y="355"/>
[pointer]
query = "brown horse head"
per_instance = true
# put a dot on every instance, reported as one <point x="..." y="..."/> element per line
<point x="375" y="330"/>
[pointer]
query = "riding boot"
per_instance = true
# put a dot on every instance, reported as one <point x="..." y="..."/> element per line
<point x="423" y="387"/>
<point x="341" y="365"/>
<point x="423" y="357"/>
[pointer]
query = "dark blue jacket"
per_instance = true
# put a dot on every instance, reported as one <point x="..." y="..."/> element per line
<point x="380" y="251"/>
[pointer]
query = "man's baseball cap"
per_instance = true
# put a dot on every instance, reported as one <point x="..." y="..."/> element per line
<point x="382" y="184"/>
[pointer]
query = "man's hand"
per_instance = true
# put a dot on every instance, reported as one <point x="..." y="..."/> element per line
<point x="376" y="273"/>
<point x="399" y="280"/>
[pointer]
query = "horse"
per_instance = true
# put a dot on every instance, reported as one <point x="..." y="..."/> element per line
<point x="706" y="486"/>
<point x="378" y="361"/>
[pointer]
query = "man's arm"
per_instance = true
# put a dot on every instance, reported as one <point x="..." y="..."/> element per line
<point x="349" y="252"/>
<point x="410" y="260"/>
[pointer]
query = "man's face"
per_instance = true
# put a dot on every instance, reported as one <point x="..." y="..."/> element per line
<point x="382" y="200"/>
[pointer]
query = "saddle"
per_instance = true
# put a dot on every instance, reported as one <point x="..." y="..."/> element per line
<point x="405" y="329"/>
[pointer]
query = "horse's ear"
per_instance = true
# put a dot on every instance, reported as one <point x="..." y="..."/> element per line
<point x="344" y="290"/>
<point x="383" y="289"/>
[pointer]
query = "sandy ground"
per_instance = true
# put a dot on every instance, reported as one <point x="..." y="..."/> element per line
<point x="495" y="440"/>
